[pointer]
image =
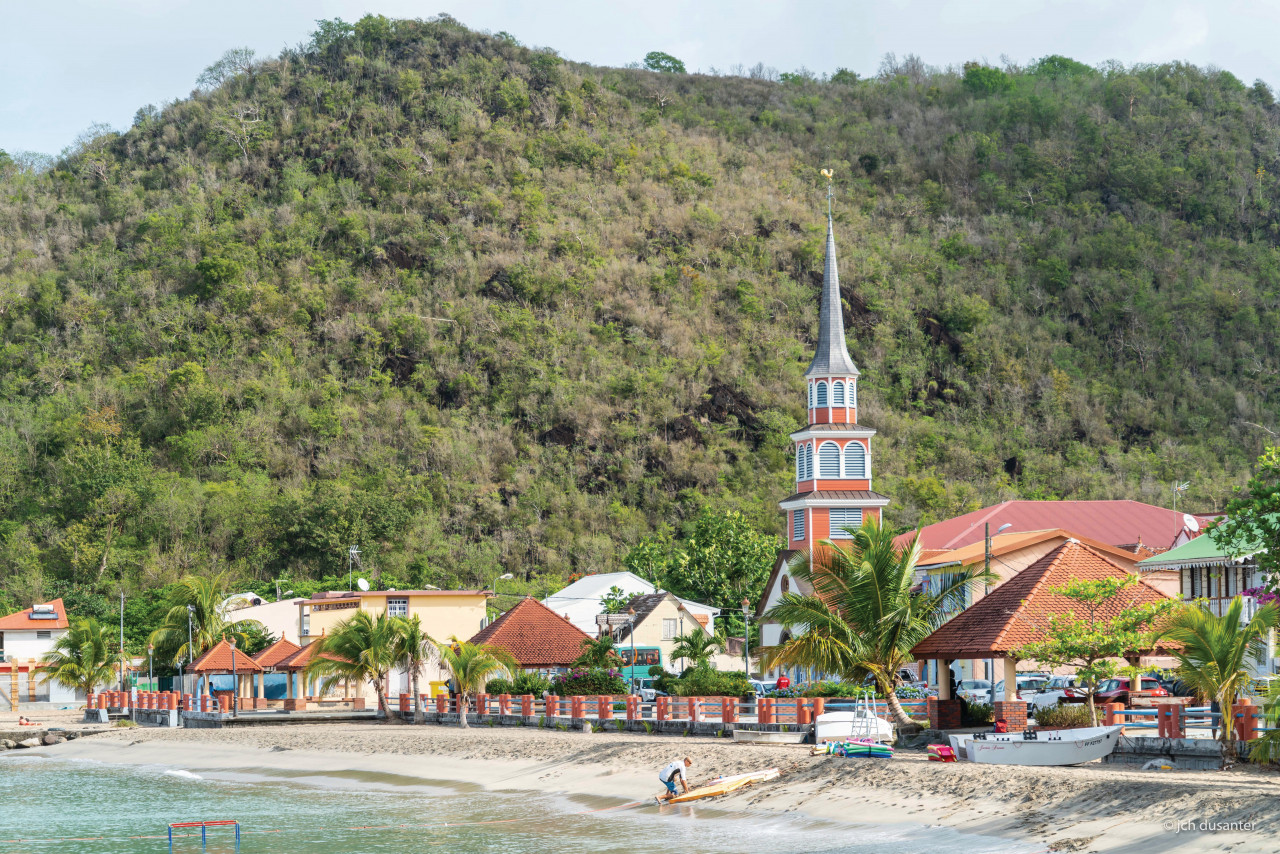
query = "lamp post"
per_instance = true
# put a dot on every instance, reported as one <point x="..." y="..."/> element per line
<point x="746" y="635"/>
<point x="986" y="566"/>
<point x="191" y="652"/>
<point x="122" y="640"/>
<point x="631" y="630"/>
<point x="235" y="683"/>
<point x="151" y="675"/>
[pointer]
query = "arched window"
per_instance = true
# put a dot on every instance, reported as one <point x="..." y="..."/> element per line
<point x="822" y="394"/>
<point x="829" y="460"/>
<point x="837" y="393"/>
<point x="855" y="460"/>
<point x="808" y="462"/>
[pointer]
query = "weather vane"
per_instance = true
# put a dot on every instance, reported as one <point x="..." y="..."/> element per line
<point x="829" y="175"/>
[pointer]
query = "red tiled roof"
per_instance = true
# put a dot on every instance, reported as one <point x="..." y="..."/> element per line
<point x="302" y="657"/>
<point x="22" y="621"/>
<point x="276" y="653"/>
<point x="535" y="635"/>
<point x="1112" y="522"/>
<point x="1010" y="616"/>
<point x="218" y="660"/>
<point x="975" y="553"/>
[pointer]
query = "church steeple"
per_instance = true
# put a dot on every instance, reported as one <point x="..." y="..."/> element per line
<point x="832" y="356"/>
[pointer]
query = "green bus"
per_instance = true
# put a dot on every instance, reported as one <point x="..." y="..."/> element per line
<point x="645" y="657"/>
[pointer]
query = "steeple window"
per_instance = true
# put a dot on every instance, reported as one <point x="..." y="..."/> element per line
<point x="855" y="460"/>
<point x="829" y="460"/>
<point x="797" y="525"/>
<point x="842" y="520"/>
<point x="808" y="462"/>
<point x="822" y="394"/>
<point x="837" y="393"/>
<point x="811" y="395"/>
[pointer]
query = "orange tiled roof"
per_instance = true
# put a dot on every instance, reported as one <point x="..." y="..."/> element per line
<point x="303" y="656"/>
<point x="1003" y="544"/>
<point x="1009" y="616"/>
<point x="218" y="660"/>
<point x="22" y="622"/>
<point x="535" y="635"/>
<point x="276" y="653"/>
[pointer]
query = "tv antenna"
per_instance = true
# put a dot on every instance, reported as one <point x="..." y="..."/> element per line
<point x="353" y="557"/>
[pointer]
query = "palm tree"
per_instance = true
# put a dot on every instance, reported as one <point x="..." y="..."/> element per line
<point x="697" y="646"/>
<point x="472" y="665"/>
<point x="862" y="616"/>
<point x="1215" y="651"/>
<point x="82" y="659"/>
<point x="413" y="649"/>
<point x="598" y="653"/>
<point x="202" y="597"/>
<point x="359" y="649"/>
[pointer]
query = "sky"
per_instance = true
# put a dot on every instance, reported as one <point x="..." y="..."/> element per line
<point x="68" y="64"/>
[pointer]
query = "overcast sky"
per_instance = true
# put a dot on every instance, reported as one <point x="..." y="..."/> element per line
<point x="66" y="64"/>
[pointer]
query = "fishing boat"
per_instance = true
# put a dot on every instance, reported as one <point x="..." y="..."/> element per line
<point x="725" y="785"/>
<point x="859" y="724"/>
<point x="1045" y="747"/>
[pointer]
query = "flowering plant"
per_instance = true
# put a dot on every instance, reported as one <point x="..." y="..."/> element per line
<point x="580" y="681"/>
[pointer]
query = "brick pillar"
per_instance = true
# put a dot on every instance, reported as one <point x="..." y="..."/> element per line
<point x="504" y="704"/>
<point x="944" y="714"/>
<point x="804" y="711"/>
<point x="405" y="708"/>
<point x="633" y="708"/>
<point x="1014" y="713"/>
<point x="694" y="710"/>
<point x="764" y="710"/>
<point x="819" y="706"/>
<point x="204" y="702"/>
<point x="664" y="708"/>
<point x="442" y="703"/>
<point x="1245" y="717"/>
<point x="526" y="705"/>
<point x="729" y="710"/>
<point x="482" y="704"/>
<point x="1169" y="720"/>
<point x="604" y="708"/>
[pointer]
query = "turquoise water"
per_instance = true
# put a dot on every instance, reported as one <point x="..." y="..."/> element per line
<point x="106" y="808"/>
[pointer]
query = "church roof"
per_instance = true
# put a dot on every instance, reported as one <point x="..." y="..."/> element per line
<point x="873" y="499"/>
<point x="832" y="354"/>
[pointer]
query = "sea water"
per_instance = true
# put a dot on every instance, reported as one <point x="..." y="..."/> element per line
<point x="79" y="807"/>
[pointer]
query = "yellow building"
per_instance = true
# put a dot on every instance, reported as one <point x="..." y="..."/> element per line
<point x="444" y="613"/>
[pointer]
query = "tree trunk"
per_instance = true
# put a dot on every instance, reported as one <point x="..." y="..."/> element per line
<point x="898" y="713"/>
<point x="417" y="700"/>
<point x="463" y="701"/>
<point x="1227" y="735"/>
<point x="380" y="688"/>
<point x="1093" y="710"/>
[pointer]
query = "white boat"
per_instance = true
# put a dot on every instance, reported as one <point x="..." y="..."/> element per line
<point x="1046" y="747"/>
<point x="752" y="736"/>
<point x="861" y="723"/>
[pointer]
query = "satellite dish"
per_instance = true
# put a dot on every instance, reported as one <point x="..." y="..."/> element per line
<point x="1192" y="523"/>
<point x="362" y="584"/>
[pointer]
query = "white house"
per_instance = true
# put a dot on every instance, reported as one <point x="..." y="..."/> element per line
<point x="279" y="619"/>
<point x="581" y="601"/>
<point x="24" y="639"/>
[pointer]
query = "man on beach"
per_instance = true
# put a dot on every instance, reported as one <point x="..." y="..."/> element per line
<point x="669" y="774"/>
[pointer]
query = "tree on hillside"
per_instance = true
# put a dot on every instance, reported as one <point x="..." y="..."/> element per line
<point x="82" y="659"/>
<point x="238" y="60"/>
<point x="665" y="63"/>
<point x="862" y="616"/>
<point x="1251" y="524"/>
<point x="1091" y="641"/>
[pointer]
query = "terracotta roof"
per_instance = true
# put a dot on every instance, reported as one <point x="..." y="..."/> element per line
<point x="1009" y="616"/>
<point x="1003" y="544"/>
<point x="1113" y="522"/>
<point x="302" y="657"/>
<point x="22" y="621"/>
<point x="838" y="495"/>
<point x="218" y="660"/>
<point x="276" y="653"/>
<point x="535" y="635"/>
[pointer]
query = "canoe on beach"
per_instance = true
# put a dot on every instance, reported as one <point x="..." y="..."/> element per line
<point x="725" y="785"/>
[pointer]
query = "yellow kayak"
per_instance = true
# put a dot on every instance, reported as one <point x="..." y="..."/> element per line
<point x="725" y="785"/>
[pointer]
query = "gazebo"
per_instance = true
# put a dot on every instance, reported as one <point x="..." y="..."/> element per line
<point x="1011" y="616"/>
<point x="268" y="660"/>
<point x="301" y="690"/>
<point x="223" y="659"/>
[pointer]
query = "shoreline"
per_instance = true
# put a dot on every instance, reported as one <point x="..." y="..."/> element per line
<point x="1086" y="808"/>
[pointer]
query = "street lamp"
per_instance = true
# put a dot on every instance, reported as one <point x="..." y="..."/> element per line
<point x="631" y="630"/>
<point x="235" y="684"/>
<point x="986" y="565"/>
<point x="191" y="652"/>
<point x="746" y="635"/>
<point x="151" y="675"/>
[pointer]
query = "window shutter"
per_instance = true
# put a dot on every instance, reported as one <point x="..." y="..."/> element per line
<point x="837" y="394"/>
<point x="797" y="525"/>
<point x="822" y="394"/>
<point x="844" y="517"/>
<point x="855" y="460"/>
<point x="829" y="460"/>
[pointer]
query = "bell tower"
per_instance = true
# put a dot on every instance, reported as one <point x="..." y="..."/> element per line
<point x="833" y="453"/>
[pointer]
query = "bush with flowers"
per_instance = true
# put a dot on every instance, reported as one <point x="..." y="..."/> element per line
<point x="845" y="690"/>
<point x="579" y="682"/>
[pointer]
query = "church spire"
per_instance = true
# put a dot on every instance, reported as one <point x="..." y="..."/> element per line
<point x="832" y="356"/>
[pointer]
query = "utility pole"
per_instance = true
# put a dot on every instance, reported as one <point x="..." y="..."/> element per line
<point x="746" y="635"/>
<point x="191" y="651"/>
<point x="122" y="640"/>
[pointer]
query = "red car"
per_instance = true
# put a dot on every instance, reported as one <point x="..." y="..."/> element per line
<point x="1117" y="690"/>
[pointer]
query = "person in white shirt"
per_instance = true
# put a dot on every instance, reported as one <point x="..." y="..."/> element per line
<point x="669" y="774"/>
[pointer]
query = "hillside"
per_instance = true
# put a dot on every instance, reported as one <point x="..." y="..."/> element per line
<point x="480" y="310"/>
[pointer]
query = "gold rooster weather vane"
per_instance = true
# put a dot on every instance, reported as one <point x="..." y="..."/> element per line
<point x="829" y="175"/>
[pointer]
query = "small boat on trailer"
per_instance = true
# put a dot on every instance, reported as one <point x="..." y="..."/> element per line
<point x="1045" y="747"/>
<point x="725" y="785"/>
<point x="858" y="724"/>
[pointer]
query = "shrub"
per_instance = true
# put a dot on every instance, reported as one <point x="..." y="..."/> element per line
<point x="524" y="683"/>
<point x="975" y="714"/>
<point x="705" y="682"/>
<point x="1063" y="716"/>
<point x="580" y="682"/>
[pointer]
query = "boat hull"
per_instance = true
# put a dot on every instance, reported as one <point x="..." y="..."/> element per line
<point x="751" y="736"/>
<point x="1051" y="747"/>
<point x="851" y="726"/>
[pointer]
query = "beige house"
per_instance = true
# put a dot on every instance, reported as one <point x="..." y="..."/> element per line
<point x="659" y="619"/>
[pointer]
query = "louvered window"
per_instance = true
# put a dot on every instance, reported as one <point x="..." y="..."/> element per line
<point x="843" y="518"/>
<point x="797" y="525"/>
<point x="808" y="462"/>
<point x="829" y="460"/>
<point x="837" y="394"/>
<point x="822" y="394"/>
<point x="855" y="460"/>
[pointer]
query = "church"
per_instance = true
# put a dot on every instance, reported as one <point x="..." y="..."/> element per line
<point x="833" y="454"/>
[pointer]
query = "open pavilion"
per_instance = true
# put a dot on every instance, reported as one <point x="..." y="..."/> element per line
<point x="223" y="659"/>
<point x="269" y="660"/>
<point x="1014" y="615"/>
<point x="302" y="690"/>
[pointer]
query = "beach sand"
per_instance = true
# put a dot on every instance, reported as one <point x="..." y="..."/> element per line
<point x="1086" y="808"/>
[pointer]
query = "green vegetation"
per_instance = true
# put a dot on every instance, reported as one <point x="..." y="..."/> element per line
<point x="695" y="648"/>
<point x="704" y="682"/>
<point x="598" y="654"/>
<point x="473" y="666"/>
<point x="524" y="683"/>
<point x="82" y="659"/>
<point x="1063" y="716"/>
<point x="1252" y="525"/>
<point x="412" y="649"/>
<point x="472" y="307"/>
<point x="588" y="681"/>
<point x="360" y="649"/>
<point x="863" y="616"/>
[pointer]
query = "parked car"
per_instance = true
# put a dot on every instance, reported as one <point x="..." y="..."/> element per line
<point x="1059" y="689"/>
<point x="975" y="690"/>
<point x="759" y="687"/>
<point x="905" y="676"/>
<point x="1118" y="690"/>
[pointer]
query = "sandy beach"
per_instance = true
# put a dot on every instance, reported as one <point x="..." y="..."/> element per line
<point x="1088" y="808"/>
